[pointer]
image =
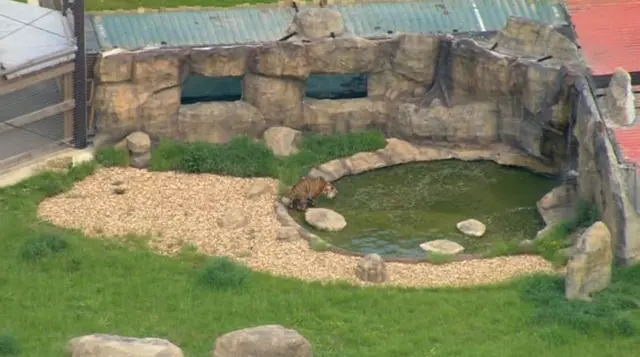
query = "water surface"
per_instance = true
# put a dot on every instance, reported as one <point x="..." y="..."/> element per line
<point x="390" y="211"/>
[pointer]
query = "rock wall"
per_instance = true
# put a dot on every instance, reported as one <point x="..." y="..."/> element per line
<point x="421" y="88"/>
<point x="601" y="177"/>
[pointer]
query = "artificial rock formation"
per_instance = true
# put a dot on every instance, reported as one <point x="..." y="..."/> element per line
<point x="421" y="87"/>
<point x="559" y="204"/>
<point x="589" y="269"/>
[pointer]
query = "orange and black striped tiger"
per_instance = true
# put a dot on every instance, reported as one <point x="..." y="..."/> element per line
<point x="307" y="190"/>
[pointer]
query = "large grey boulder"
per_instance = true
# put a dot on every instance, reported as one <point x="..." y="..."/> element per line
<point x="372" y="268"/>
<point x="263" y="341"/>
<point x="102" y="345"/>
<point x="325" y="219"/>
<point x="620" y="99"/>
<point x="589" y="270"/>
<point x="282" y="141"/>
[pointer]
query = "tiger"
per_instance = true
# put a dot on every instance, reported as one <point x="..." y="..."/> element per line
<point x="307" y="190"/>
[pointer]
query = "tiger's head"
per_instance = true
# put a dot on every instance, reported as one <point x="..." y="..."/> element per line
<point x="329" y="190"/>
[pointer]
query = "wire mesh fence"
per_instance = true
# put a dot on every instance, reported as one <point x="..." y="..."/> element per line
<point x="35" y="119"/>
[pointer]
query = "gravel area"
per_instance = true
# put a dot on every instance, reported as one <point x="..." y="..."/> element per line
<point x="176" y="208"/>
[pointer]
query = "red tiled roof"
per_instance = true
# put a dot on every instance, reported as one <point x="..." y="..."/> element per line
<point x="629" y="141"/>
<point x="609" y="33"/>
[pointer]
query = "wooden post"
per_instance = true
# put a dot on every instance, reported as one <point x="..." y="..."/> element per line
<point x="68" y="115"/>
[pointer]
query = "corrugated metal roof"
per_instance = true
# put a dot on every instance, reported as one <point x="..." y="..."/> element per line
<point x="609" y="33"/>
<point x="248" y="25"/>
<point x="32" y="34"/>
<point x="90" y="37"/>
<point x="192" y="28"/>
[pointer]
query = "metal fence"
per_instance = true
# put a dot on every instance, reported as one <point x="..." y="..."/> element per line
<point x="37" y="114"/>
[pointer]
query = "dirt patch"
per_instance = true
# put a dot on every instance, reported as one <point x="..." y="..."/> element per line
<point x="176" y="208"/>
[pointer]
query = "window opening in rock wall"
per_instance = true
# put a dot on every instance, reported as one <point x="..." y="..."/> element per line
<point x="198" y="88"/>
<point x="337" y="86"/>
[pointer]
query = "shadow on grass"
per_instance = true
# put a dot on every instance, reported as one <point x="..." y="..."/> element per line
<point x="41" y="245"/>
<point x="9" y="346"/>
<point x="611" y="312"/>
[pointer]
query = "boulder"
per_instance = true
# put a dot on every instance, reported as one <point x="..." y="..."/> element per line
<point x="589" y="269"/>
<point x="325" y="219"/>
<point x="472" y="228"/>
<point x="288" y="234"/>
<point x="138" y="142"/>
<point x="282" y="141"/>
<point x="313" y="23"/>
<point x="259" y="188"/>
<point x="102" y="345"/>
<point x="442" y="246"/>
<point x="263" y="341"/>
<point x="620" y="99"/>
<point x="372" y="268"/>
<point x="141" y="161"/>
<point x="558" y="205"/>
<point x="219" y="122"/>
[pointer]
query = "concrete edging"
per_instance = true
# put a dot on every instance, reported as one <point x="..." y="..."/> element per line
<point x="53" y="161"/>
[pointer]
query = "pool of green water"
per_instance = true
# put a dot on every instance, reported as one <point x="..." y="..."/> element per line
<point x="391" y="211"/>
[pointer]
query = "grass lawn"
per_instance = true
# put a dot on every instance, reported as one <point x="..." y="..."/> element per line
<point x="56" y="284"/>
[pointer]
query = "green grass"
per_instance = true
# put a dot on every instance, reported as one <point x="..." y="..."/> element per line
<point x="111" y="156"/>
<point x="85" y="286"/>
<point x="558" y="237"/>
<point x="9" y="346"/>
<point x="245" y="157"/>
<point x="100" y="5"/>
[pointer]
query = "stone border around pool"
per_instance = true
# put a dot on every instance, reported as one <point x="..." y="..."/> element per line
<point x="398" y="152"/>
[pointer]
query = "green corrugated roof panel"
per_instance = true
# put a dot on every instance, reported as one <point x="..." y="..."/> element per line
<point x="248" y="25"/>
<point x="192" y="28"/>
<point x="495" y="12"/>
